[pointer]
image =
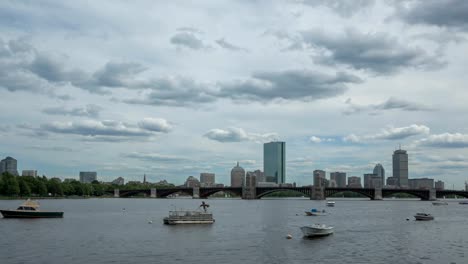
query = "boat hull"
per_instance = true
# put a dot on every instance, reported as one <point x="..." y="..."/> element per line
<point x="314" y="232"/>
<point x="315" y="213"/>
<point x="179" y="222"/>
<point x="423" y="218"/>
<point x="31" y="214"/>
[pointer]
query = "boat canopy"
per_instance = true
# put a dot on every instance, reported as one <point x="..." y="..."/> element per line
<point x="30" y="203"/>
<point x="314" y="210"/>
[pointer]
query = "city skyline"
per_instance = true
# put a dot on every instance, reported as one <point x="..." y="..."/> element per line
<point x="95" y="87"/>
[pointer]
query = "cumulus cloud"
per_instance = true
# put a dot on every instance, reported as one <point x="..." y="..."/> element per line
<point x="390" y="104"/>
<point x="234" y="134"/>
<point x="445" y="140"/>
<point x="155" y="124"/>
<point x="377" y="53"/>
<point x="90" y="110"/>
<point x="390" y="133"/>
<point x="154" y="157"/>
<point x="315" y="139"/>
<point x="343" y="8"/>
<point x="188" y="40"/>
<point x="226" y="45"/>
<point x="440" y="13"/>
<point x="288" y="85"/>
<point x="109" y="130"/>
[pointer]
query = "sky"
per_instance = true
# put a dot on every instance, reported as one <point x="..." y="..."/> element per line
<point x="174" y="88"/>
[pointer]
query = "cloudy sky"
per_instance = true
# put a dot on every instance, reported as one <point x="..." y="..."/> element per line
<point x="173" y="88"/>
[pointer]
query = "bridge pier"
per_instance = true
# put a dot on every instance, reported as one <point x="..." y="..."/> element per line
<point x="116" y="193"/>
<point x="153" y="193"/>
<point x="317" y="193"/>
<point x="378" y="194"/>
<point x="432" y="195"/>
<point x="196" y="193"/>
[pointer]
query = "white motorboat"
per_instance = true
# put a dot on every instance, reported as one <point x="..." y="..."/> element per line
<point x="317" y="230"/>
<point x="315" y="212"/>
<point x="463" y="202"/>
<point x="439" y="203"/>
<point x="423" y="217"/>
<point x="331" y="203"/>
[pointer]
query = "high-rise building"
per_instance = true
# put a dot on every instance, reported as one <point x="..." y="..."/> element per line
<point x="9" y="165"/>
<point x="118" y="181"/>
<point x="439" y="185"/>
<point x="392" y="182"/>
<point x="421" y="183"/>
<point x="371" y="180"/>
<point x="339" y="178"/>
<point x="354" y="182"/>
<point x="192" y="182"/>
<point x="259" y="176"/>
<point x="32" y="173"/>
<point x="88" y="176"/>
<point x="207" y="179"/>
<point x="400" y="167"/>
<point x="237" y="176"/>
<point x="380" y="171"/>
<point x="320" y="179"/>
<point x="274" y="161"/>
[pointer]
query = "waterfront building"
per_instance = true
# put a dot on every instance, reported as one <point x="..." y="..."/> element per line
<point x="392" y="181"/>
<point x="339" y="178"/>
<point x="274" y="161"/>
<point x="319" y="178"/>
<point x="32" y="173"/>
<point x="332" y="183"/>
<point x="192" y="182"/>
<point x="371" y="180"/>
<point x="9" y="165"/>
<point x="439" y="185"/>
<point x="260" y="177"/>
<point x="267" y="184"/>
<point x="421" y="183"/>
<point x="88" y="176"/>
<point x="119" y="181"/>
<point x="380" y="171"/>
<point x="400" y="167"/>
<point x="354" y="182"/>
<point x="207" y="179"/>
<point x="237" y="176"/>
<point x="163" y="183"/>
<point x="250" y="186"/>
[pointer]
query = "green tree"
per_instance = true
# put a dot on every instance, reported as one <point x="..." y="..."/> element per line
<point x="11" y="185"/>
<point x="54" y="187"/>
<point x="41" y="188"/>
<point x="25" y="190"/>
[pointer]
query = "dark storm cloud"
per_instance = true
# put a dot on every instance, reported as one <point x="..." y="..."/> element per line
<point x="342" y="7"/>
<point x="378" y="53"/>
<point x="188" y="40"/>
<point x="226" y="45"/>
<point x="441" y="13"/>
<point x="89" y="110"/>
<point x="389" y="104"/>
<point x="288" y="85"/>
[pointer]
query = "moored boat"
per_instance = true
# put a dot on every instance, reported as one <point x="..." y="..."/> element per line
<point x="315" y="212"/>
<point x="30" y="209"/>
<point x="189" y="217"/>
<point x="463" y="202"/>
<point x="439" y="203"/>
<point x="330" y="203"/>
<point x="317" y="230"/>
<point x="423" y="217"/>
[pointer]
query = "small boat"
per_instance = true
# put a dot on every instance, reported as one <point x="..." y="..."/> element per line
<point x="317" y="230"/>
<point x="30" y="209"/>
<point x="439" y="203"/>
<point x="423" y="217"/>
<point x="189" y="217"/>
<point x="463" y="202"/>
<point x="331" y="204"/>
<point x="315" y="212"/>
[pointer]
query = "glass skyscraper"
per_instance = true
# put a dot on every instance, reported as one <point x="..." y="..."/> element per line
<point x="274" y="162"/>
<point x="400" y="167"/>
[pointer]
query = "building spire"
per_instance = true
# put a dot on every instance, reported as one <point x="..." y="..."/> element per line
<point x="144" y="178"/>
<point x="237" y="164"/>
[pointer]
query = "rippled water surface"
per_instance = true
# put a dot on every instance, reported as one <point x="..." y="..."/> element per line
<point x="99" y="231"/>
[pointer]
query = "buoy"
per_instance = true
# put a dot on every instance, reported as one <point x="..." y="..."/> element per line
<point x="150" y="222"/>
<point x="407" y="219"/>
<point x="289" y="236"/>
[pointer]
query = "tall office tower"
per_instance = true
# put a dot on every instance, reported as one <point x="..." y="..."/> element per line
<point x="207" y="179"/>
<point x="354" y="182"/>
<point x="274" y="162"/>
<point x="400" y="167"/>
<point x="380" y="171"/>
<point x="237" y="176"/>
<point x="9" y="165"/>
<point x="88" y="176"/>
<point x="320" y="179"/>
<point x="439" y="185"/>
<point x="339" y="178"/>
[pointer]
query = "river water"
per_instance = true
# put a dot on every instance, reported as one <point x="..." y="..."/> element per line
<point x="254" y="231"/>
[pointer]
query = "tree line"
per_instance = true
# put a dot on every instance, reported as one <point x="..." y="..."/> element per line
<point x="29" y="186"/>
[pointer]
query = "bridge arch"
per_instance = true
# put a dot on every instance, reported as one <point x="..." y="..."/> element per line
<point x="363" y="192"/>
<point x="261" y="192"/>
<point x="128" y="193"/>
<point x="163" y="193"/>
<point x="423" y="194"/>
<point x="441" y="194"/>
<point x="205" y="193"/>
